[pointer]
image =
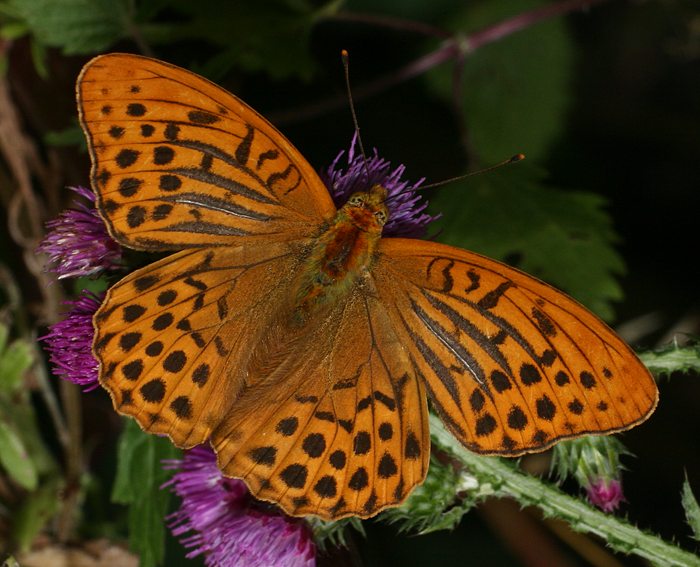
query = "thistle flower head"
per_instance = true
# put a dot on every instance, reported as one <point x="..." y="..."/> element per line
<point x="77" y="242"/>
<point x="69" y="342"/>
<point x="594" y="461"/>
<point x="406" y="206"/>
<point x="220" y="519"/>
<point x="605" y="494"/>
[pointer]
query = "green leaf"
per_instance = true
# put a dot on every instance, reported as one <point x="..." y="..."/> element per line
<point x="516" y="90"/>
<point x="139" y="477"/>
<point x="14" y="362"/>
<point x="39" y="56"/>
<point x="4" y="334"/>
<point x="270" y="36"/>
<point x="22" y="452"/>
<point x="13" y="30"/>
<point x="71" y="136"/>
<point x="692" y="510"/>
<point x="18" y="413"/>
<point x="36" y="510"/>
<point x="15" y="459"/>
<point x="76" y="26"/>
<point x="562" y="237"/>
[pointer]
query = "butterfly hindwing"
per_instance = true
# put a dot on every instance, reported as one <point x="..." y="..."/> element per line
<point x="510" y="364"/>
<point x="345" y="434"/>
<point x="179" y="162"/>
<point x="173" y="338"/>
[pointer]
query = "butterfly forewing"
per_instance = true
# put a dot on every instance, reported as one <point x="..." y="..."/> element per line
<point x="180" y="162"/>
<point x="343" y="434"/>
<point x="510" y="364"/>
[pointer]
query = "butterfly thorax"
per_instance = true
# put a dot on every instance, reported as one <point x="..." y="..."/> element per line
<point x="343" y="252"/>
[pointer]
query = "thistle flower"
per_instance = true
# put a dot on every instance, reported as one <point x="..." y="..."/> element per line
<point x="69" y="342"/>
<point x="594" y="461"/>
<point x="406" y="206"/>
<point x="78" y="243"/>
<point x="605" y="494"/>
<point x="437" y="504"/>
<point x="220" y="519"/>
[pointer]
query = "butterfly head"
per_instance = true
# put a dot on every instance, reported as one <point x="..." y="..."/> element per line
<point x="367" y="209"/>
<point x="406" y="207"/>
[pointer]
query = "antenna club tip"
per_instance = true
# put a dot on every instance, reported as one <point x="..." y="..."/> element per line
<point x="517" y="157"/>
<point x="344" y="53"/>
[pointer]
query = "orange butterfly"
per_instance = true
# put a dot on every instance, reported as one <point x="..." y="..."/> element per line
<point x="295" y="339"/>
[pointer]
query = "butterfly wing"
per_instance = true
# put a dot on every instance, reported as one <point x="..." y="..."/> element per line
<point x="343" y="432"/>
<point x="178" y="161"/>
<point x="173" y="338"/>
<point x="511" y="365"/>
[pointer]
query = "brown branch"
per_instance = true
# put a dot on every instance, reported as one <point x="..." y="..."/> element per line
<point x="456" y="46"/>
<point x="391" y="22"/>
<point x="525" y="20"/>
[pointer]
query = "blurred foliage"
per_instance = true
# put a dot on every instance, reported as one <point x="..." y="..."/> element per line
<point x="533" y="92"/>
<point x="24" y="456"/>
<point x="15" y="456"/>
<point x="140" y="476"/>
<point x="692" y="509"/>
<point x="562" y="237"/>
<point x="512" y="106"/>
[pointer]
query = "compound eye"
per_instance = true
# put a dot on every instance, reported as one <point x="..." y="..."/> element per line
<point x="381" y="217"/>
<point x="356" y="200"/>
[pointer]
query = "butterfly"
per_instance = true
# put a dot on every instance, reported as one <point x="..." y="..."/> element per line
<point x="291" y="336"/>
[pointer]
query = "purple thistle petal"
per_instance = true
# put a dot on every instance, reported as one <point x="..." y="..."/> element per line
<point x="69" y="342"/>
<point x="606" y="495"/>
<point x="78" y="243"/>
<point x="406" y="206"/>
<point x="220" y="519"/>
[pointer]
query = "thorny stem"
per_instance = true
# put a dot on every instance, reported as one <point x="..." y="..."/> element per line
<point x="454" y="46"/>
<point x="391" y="22"/>
<point x="524" y="20"/>
<point x="500" y="478"/>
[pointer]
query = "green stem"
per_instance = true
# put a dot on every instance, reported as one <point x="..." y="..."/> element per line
<point x="507" y="480"/>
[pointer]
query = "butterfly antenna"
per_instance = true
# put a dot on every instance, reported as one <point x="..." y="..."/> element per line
<point x="346" y="68"/>
<point x="514" y="159"/>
